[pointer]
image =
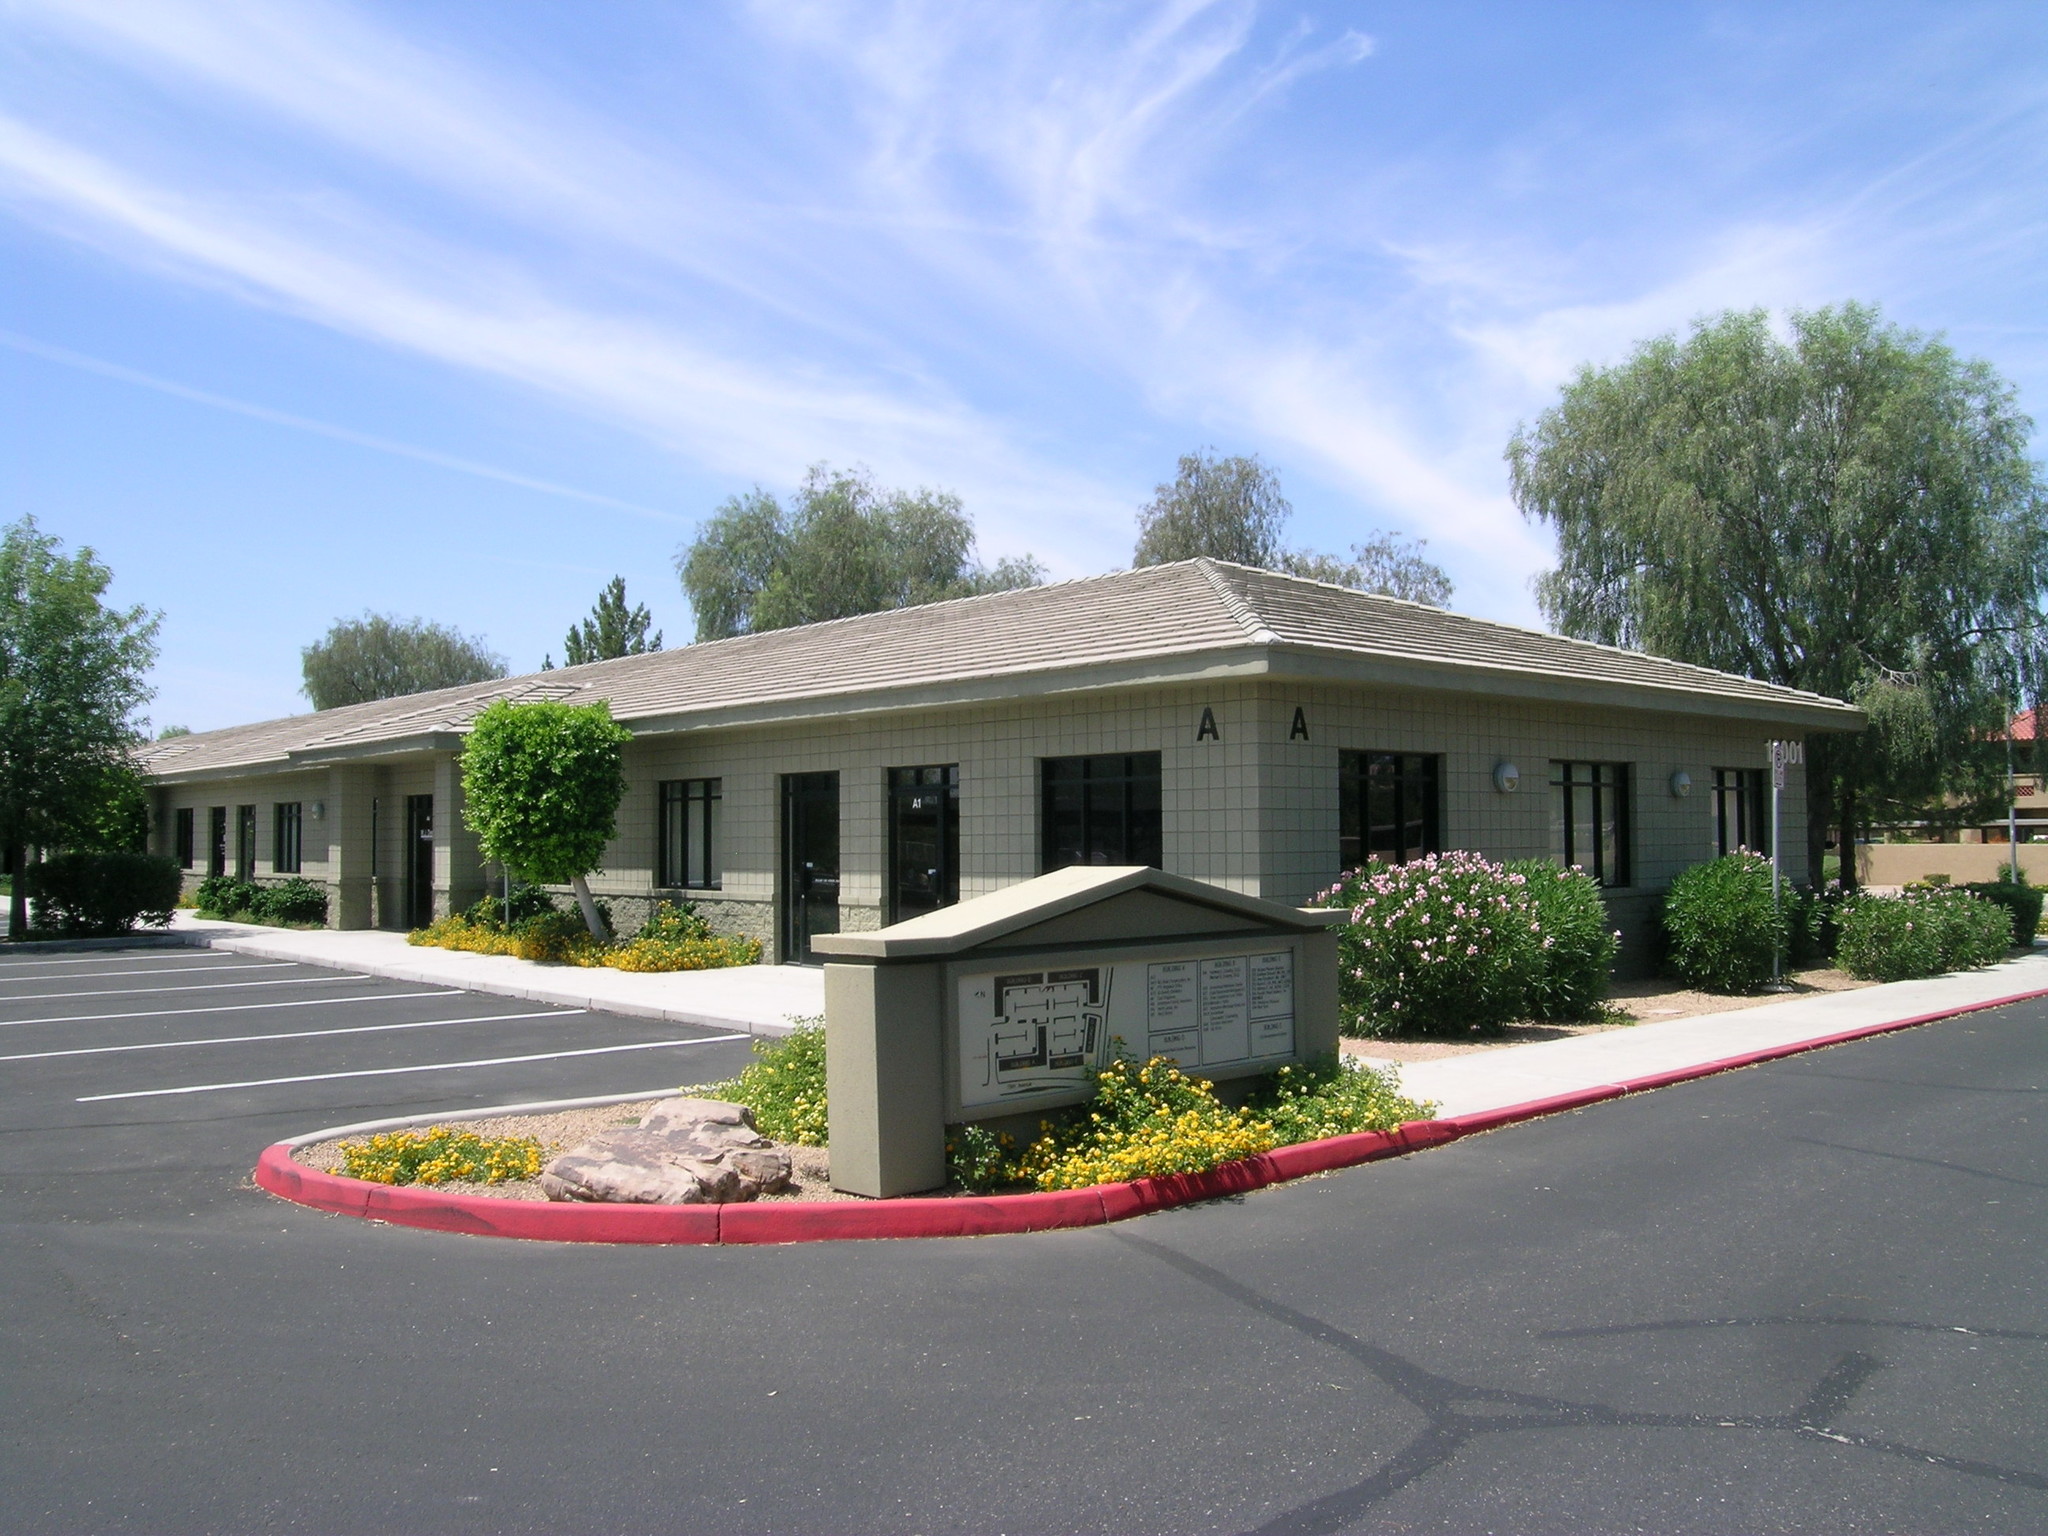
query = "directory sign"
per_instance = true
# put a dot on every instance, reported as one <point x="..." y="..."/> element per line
<point x="1028" y="1033"/>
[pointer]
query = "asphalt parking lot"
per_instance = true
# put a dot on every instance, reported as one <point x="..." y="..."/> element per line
<point x="1805" y="1297"/>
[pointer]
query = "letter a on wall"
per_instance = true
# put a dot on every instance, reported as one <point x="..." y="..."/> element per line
<point x="1207" y="730"/>
<point x="1299" y="730"/>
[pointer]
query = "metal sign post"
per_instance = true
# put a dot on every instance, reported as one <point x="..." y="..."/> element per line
<point x="1783" y="754"/>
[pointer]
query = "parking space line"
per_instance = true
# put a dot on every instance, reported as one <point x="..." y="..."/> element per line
<point x="297" y="1034"/>
<point x="204" y="986"/>
<point x="101" y="958"/>
<point x="183" y="970"/>
<point x="430" y="1066"/>
<point x="291" y="1002"/>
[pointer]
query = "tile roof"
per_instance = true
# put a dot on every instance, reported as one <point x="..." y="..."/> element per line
<point x="1153" y="621"/>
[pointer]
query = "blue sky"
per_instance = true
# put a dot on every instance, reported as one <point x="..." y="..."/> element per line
<point x="459" y="309"/>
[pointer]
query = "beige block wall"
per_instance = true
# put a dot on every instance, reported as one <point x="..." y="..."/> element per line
<point x="1903" y="863"/>
<point x="265" y="793"/>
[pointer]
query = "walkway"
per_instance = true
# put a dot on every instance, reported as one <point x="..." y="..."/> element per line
<point x="756" y="999"/>
<point x="1519" y="1074"/>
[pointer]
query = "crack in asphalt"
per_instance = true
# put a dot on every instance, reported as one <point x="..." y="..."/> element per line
<point x="1448" y="1428"/>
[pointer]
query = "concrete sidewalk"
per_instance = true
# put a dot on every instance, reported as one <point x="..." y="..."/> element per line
<point x="1518" y="1074"/>
<point x="756" y="999"/>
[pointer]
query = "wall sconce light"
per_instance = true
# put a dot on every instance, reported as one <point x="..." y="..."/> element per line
<point x="1681" y="783"/>
<point x="1506" y="777"/>
<point x="319" y="810"/>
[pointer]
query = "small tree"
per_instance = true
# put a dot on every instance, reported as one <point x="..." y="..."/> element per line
<point x="71" y="678"/>
<point x="380" y="657"/>
<point x="612" y="630"/>
<point x="541" y="786"/>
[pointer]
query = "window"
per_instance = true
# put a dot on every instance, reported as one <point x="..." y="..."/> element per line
<point x="284" y="848"/>
<point x="692" y="849"/>
<point x="184" y="839"/>
<point x="245" y="842"/>
<point x="924" y="840"/>
<point x="1589" y="818"/>
<point x="1739" y="820"/>
<point x="217" y="840"/>
<point x="1102" y="810"/>
<point x="1387" y="807"/>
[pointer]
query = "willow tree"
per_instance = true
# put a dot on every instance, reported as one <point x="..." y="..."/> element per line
<point x="1846" y="507"/>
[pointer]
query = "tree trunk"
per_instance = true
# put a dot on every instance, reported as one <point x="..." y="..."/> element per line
<point x="1820" y="815"/>
<point x="1848" y="839"/>
<point x="17" y="904"/>
<point x="592" y="918"/>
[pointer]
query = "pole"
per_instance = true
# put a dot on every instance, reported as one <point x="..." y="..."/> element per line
<point x="2012" y="807"/>
<point x="1777" y="900"/>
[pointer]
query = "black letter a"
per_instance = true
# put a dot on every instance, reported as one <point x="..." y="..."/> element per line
<point x="1207" y="730"/>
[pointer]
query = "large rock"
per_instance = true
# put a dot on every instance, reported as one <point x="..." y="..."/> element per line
<point x="684" y="1152"/>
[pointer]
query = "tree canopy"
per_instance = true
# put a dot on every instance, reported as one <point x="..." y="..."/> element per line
<point x="382" y="657"/>
<point x="843" y="546"/>
<point x="611" y="631"/>
<point x="1232" y="508"/>
<point x="72" y="676"/>
<point x="1848" y="508"/>
<point x="541" y="786"/>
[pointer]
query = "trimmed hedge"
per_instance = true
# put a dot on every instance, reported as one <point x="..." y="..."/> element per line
<point x="1921" y="933"/>
<point x="1721" y="928"/>
<point x="296" y="900"/>
<point x="101" y="895"/>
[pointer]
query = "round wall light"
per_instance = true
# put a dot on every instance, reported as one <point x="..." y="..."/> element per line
<point x="1506" y="776"/>
<point x="1681" y="783"/>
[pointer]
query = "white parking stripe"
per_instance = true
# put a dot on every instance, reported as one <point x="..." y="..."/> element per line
<point x="430" y="1066"/>
<point x="204" y="986"/>
<point x="170" y="1013"/>
<point x="182" y="970"/>
<point x="101" y="959"/>
<point x="301" y="1034"/>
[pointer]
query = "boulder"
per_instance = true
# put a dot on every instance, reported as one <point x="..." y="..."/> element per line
<point x="684" y="1152"/>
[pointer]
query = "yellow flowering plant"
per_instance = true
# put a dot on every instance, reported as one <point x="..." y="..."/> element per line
<point x="442" y="1154"/>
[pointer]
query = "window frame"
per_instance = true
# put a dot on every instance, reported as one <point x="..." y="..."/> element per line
<point x="1742" y="790"/>
<point x="689" y="819"/>
<point x="245" y="842"/>
<point x="1608" y="786"/>
<point x="287" y="841"/>
<point x="184" y="837"/>
<point x="1096" y="784"/>
<point x="1417" y="784"/>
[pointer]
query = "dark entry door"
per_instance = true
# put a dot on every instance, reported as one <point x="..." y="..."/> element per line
<point x="419" y="860"/>
<point x="924" y="840"/>
<point x="810" y="862"/>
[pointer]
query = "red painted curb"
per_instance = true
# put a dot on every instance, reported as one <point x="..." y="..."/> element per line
<point x="971" y="1216"/>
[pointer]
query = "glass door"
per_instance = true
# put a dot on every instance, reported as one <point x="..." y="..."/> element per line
<point x="924" y="840"/>
<point x="810" y="858"/>
<point x="419" y="860"/>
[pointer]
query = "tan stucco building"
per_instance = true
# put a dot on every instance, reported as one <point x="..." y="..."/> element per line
<point x="1241" y="727"/>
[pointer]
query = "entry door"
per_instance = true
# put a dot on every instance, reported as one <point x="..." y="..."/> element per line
<point x="419" y="860"/>
<point x="810" y="858"/>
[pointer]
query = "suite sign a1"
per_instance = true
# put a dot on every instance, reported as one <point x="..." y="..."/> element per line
<point x="1028" y="1033"/>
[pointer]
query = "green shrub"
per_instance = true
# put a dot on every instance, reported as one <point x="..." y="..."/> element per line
<point x="1576" y="946"/>
<point x="289" y="901"/>
<point x="784" y="1086"/>
<point x="101" y="895"/>
<point x="2022" y="900"/>
<point x="1446" y="945"/>
<point x="673" y="922"/>
<point x="225" y="896"/>
<point x="980" y="1159"/>
<point x="1722" y="930"/>
<point x="527" y="901"/>
<point x="1921" y="933"/>
<point x="1330" y="1097"/>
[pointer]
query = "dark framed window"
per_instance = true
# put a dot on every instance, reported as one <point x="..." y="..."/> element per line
<point x="217" y="840"/>
<point x="1589" y="819"/>
<point x="924" y="839"/>
<point x="690" y="833"/>
<point x="284" y="847"/>
<point x="1102" y="810"/>
<point x="184" y="841"/>
<point x="1739" y="819"/>
<point x="245" y="842"/>
<point x="1387" y="807"/>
